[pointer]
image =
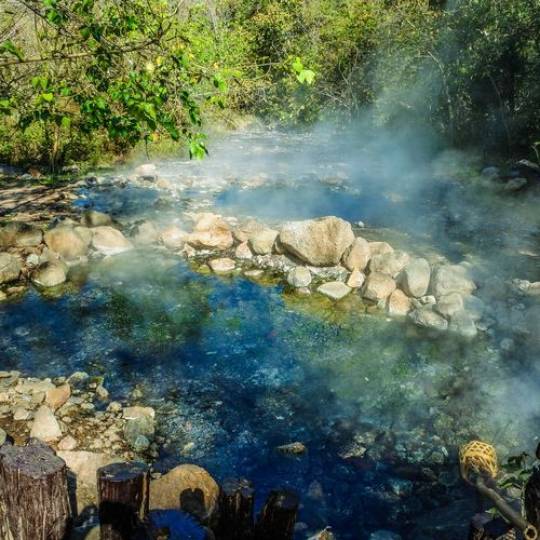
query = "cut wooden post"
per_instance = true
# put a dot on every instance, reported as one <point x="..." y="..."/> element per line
<point x="278" y="516"/>
<point x="485" y="527"/>
<point x="34" y="501"/>
<point x="236" y="509"/>
<point x="532" y="498"/>
<point x="123" y="500"/>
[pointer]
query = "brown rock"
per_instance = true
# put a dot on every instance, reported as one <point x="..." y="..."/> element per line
<point x="67" y="242"/>
<point x="56" y="397"/>
<point x="222" y="266"/>
<point x="262" y="242"/>
<point x="357" y="257"/>
<point x="219" y="239"/>
<point x="110" y="241"/>
<point x="356" y="279"/>
<point x="398" y="304"/>
<point x="378" y="286"/>
<point x="380" y="248"/>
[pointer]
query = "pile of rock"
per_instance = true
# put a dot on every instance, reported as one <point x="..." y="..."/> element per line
<point x="74" y="413"/>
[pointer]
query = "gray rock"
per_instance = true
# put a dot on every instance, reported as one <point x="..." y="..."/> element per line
<point x="298" y="277"/>
<point x="515" y="184"/>
<point x="319" y="242"/>
<point x="427" y="318"/>
<point x="449" y="304"/>
<point x="462" y="323"/>
<point x="10" y="268"/>
<point x="415" y="277"/>
<point x="336" y="290"/>
<point x="451" y="278"/>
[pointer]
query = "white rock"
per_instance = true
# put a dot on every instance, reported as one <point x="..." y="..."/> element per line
<point x="110" y="241"/>
<point x="356" y="279"/>
<point x="299" y="277"/>
<point x="358" y="255"/>
<point x="45" y="426"/>
<point x="222" y="265"/>
<point x="336" y="290"/>
<point x="262" y="242"/>
<point x="173" y="237"/>
<point x="389" y="263"/>
<point x="378" y="286"/>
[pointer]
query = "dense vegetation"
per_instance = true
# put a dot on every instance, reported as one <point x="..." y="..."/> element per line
<point x="78" y="77"/>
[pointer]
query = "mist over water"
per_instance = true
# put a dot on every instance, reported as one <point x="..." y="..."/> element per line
<point x="236" y="368"/>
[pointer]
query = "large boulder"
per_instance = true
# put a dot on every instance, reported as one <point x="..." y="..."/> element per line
<point x="415" y="277"/>
<point x="427" y="318"/>
<point x="45" y="426"/>
<point x="49" y="274"/>
<point x="319" y="242"/>
<point x="20" y="234"/>
<point x="10" y="268"/>
<point x="192" y="486"/>
<point x="336" y="290"/>
<point x="299" y="277"/>
<point x="451" y="278"/>
<point x="110" y="241"/>
<point x="389" y="263"/>
<point x="262" y="242"/>
<point x="67" y="242"/>
<point x="357" y="256"/>
<point x="378" y="286"/>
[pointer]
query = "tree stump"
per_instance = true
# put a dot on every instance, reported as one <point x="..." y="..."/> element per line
<point x="34" y="501"/>
<point x="236" y="504"/>
<point x="123" y="490"/>
<point x="278" y="516"/>
<point x="485" y="527"/>
<point x="532" y="498"/>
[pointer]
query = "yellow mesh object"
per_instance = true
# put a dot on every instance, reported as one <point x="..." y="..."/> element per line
<point x="479" y="457"/>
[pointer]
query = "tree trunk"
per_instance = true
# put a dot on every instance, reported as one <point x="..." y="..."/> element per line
<point x="34" y="501"/>
<point x="278" y="516"/>
<point x="485" y="527"/>
<point x="236" y="510"/>
<point x="123" y="490"/>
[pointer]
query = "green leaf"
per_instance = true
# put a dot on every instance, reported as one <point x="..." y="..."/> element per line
<point x="9" y="47"/>
<point x="47" y="96"/>
<point x="306" y="76"/>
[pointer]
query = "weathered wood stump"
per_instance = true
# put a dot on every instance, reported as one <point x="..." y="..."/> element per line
<point x="485" y="527"/>
<point x="532" y="498"/>
<point x="123" y="490"/>
<point x="236" y="504"/>
<point x="278" y="516"/>
<point x="34" y="501"/>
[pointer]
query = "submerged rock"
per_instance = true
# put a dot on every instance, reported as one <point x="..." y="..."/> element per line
<point x="10" y="268"/>
<point x="378" y="286"/>
<point x="462" y="323"/>
<point x="192" y="486"/>
<point x="67" y="242"/>
<point x="449" y="304"/>
<point x="358" y="255"/>
<point x="173" y="237"/>
<point x="49" y="274"/>
<point x="319" y="242"/>
<point x="295" y="448"/>
<point x="415" y="277"/>
<point x="110" y="241"/>
<point x="93" y="218"/>
<point x="146" y="234"/>
<point x="427" y="318"/>
<point x="336" y="290"/>
<point x="298" y="277"/>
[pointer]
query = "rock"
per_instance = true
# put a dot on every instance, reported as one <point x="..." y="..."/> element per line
<point x="319" y="242"/>
<point x="78" y="379"/>
<point x="254" y="274"/>
<point x="222" y="266"/>
<point x="378" y="286"/>
<point x="451" y="278"/>
<point x="295" y="448"/>
<point x="336" y="290"/>
<point x="173" y="237"/>
<point x="102" y="393"/>
<point x="20" y="234"/>
<point x="299" y="277"/>
<point x="33" y="386"/>
<point x="10" y="268"/>
<point x="243" y="252"/>
<point x="114" y="407"/>
<point x="3" y="436"/>
<point x="139" y="428"/>
<point x="262" y="242"/>
<point x="110" y="241"/>
<point x="21" y="413"/>
<point x="515" y="184"/>
<point x="246" y="230"/>
<point x="398" y="304"/>
<point x="197" y="491"/>
<point x="490" y="172"/>
<point x="136" y="412"/>
<point x="415" y="277"/>
<point x="358" y="255"/>
<point x="389" y="263"/>
<point x="475" y="307"/>
<point x="356" y="279"/>
<point x="67" y="242"/>
<point x="45" y="426"/>
<point x="146" y="234"/>
<point x="85" y="233"/>
<point x="93" y="218"/>
<point x="208" y="221"/>
<point x="427" y="318"/>
<point x="220" y="239"/>
<point x="67" y="443"/>
<point x="49" y="274"/>
<point x="449" y="304"/>
<point x="380" y="248"/>
<point x="462" y="323"/>
<point x="58" y="396"/>
<point x="146" y="170"/>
